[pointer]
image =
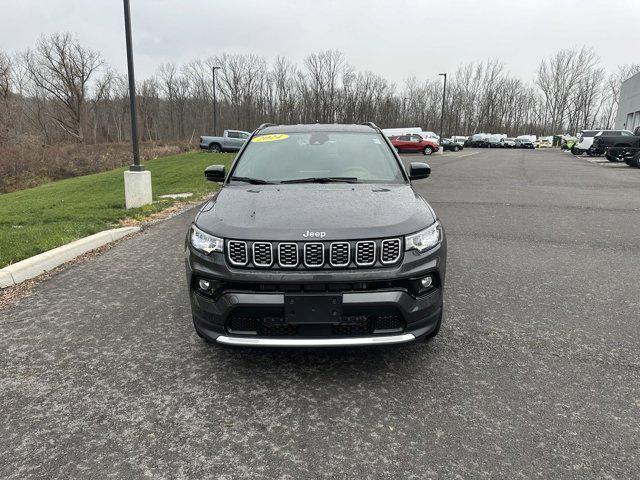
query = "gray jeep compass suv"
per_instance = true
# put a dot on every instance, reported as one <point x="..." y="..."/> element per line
<point x="316" y="238"/>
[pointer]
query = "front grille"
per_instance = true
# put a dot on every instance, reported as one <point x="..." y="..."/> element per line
<point x="388" y="322"/>
<point x="288" y="255"/>
<point x="340" y="254"/>
<point x="365" y="253"/>
<point x="352" y="329"/>
<point x="262" y="254"/>
<point x="242" y="324"/>
<point x="278" y="330"/>
<point x="356" y="321"/>
<point x="314" y="255"/>
<point x="391" y="251"/>
<point x="237" y="252"/>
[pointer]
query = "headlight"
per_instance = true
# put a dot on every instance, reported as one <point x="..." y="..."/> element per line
<point x="204" y="242"/>
<point x="424" y="240"/>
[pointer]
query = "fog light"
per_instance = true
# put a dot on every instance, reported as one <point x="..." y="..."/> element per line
<point x="204" y="284"/>
<point x="426" y="282"/>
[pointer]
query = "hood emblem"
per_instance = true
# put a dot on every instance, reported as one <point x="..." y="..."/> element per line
<point x="310" y="234"/>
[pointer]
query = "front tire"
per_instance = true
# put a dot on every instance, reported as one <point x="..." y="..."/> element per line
<point x="576" y="151"/>
<point x="456" y="149"/>
<point x="634" y="161"/>
<point x="613" y="158"/>
<point x="427" y="150"/>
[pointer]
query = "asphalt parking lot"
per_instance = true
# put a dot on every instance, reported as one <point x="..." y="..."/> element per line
<point x="535" y="374"/>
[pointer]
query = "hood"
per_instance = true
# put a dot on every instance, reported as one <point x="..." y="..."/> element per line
<point x="341" y="211"/>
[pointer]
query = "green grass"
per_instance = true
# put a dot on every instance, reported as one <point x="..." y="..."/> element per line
<point x="41" y="218"/>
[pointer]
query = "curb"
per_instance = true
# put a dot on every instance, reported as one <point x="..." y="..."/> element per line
<point x="32" y="267"/>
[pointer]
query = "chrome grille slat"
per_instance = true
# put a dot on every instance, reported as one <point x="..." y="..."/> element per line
<point x="339" y="254"/>
<point x="365" y="253"/>
<point x="313" y="255"/>
<point x="237" y="253"/>
<point x="390" y="251"/>
<point x="288" y="255"/>
<point x="262" y="254"/>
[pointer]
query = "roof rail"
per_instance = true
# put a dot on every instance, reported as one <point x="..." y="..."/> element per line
<point x="265" y="125"/>
<point x="372" y="125"/>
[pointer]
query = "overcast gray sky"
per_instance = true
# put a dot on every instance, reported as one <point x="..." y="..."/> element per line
<point x="396" y="38"/>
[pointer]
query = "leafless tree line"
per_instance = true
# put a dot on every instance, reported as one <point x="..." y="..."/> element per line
<point x="61" y="91"/>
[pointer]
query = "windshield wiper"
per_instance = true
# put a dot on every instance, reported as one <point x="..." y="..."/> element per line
<point x="254" y="181"/>
<point x="323" y="180"/>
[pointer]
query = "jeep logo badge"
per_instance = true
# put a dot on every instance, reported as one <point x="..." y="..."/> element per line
<point x="309" y="234"/>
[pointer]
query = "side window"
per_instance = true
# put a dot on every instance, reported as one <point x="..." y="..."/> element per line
<point x="416" y="138"/>
<point x="243" y="136"/>
<point x="627" y="134"/>
<point x="403" y="138"/>
<point x="232" y="134"/>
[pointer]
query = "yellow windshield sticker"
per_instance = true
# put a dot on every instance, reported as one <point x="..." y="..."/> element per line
<point x="270" y="138"/>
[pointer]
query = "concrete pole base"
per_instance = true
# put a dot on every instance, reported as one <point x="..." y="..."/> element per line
<point x="137" y="188"/>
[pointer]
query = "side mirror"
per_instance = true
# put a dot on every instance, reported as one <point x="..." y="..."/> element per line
<point x="214" y="173"/>
<point x="419" y="170"/>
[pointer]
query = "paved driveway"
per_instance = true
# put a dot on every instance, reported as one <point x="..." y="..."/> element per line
<point x="536" y="372"/>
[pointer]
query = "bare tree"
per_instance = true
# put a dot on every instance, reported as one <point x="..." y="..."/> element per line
<point x="61" y="68"/>
<point x="559" y="77"/>
<point x="55" y="92"/>
<point x="5" y="75"/>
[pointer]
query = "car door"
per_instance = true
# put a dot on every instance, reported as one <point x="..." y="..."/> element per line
<point x="242" y="138"/>
<point x="234" y="140"/>
<point x="415" y="143"/>
<point x="403" y="143"/>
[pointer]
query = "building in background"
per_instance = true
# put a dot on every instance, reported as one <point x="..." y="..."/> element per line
<point x="628" y="116"/>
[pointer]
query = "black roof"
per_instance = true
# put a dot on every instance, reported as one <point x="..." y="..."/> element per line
<point x="316" y="127"/>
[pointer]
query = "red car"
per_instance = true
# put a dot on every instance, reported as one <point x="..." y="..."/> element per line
<point x="414" y="143"/>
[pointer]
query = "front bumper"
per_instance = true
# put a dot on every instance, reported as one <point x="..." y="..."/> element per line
<point x="316" y="342"/>
<point x="382" y="296"/>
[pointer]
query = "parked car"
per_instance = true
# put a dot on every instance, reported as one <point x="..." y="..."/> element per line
<point x="278" y="258"/>
<point x="459" y="139"/>
<point x="414" y="143"/>
<point x="449" y="145"/>
<point x="567" y="142"/>
<point x="616" y="145"/>
<point x="524" y="143"/>
<point x="477" y="140"/>
<point x="584" y="141"/>
<point x="428" y="135"/>
<point x="230" y="141"/>
<point x="509" y="143"/>
<point x="634" y="160"/>
<point x="396" y="132"/>
<point x="545" y="142"/>
<point x="496" y="141"/>
<point x="531" y="138"/>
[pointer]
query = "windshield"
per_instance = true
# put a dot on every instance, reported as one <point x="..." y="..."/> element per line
<point x="362" y="157"/>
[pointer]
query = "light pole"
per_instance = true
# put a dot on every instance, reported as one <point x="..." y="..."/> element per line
<point x="444" y="94"/>
<point x="137" y="181"/>
<point x="404" y="111"/>
<point x="215" y="103"/>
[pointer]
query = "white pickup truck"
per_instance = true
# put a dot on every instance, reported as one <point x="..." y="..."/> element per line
<point x="230" y="141"/>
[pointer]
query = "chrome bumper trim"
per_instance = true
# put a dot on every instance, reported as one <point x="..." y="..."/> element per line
<point x="315" y="342"/>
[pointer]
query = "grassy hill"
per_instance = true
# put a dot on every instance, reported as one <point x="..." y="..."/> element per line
<point x="41" y="218"/>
